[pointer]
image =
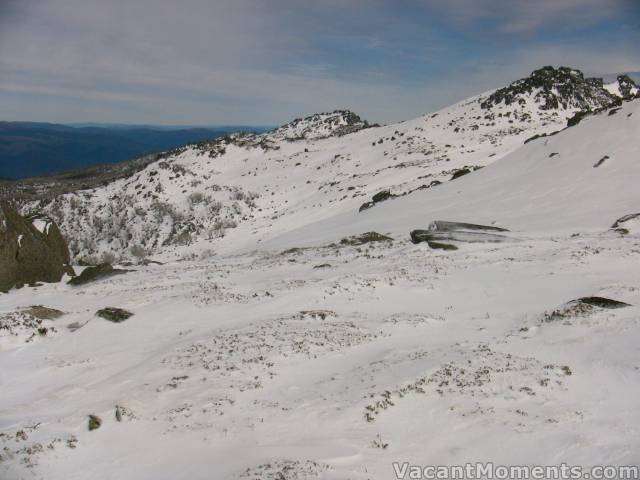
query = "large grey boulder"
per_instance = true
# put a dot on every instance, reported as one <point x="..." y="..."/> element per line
<point x="31" y="250"/>
<point x="441" y="231"/>
<point x="98" y="272"/>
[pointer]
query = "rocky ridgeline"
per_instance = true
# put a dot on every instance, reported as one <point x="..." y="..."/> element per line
<point x="562" y="88"/>
<point x="321" y="125"/>
<point x="302" y="170"/>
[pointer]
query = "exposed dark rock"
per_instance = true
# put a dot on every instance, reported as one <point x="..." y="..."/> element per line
<point x="381" y="196"/>
<point x="418" y="236"/>
<point x="91" y="274"/>
<point x="445" y="226"/>
<point x="458" y="231"/>
<point x="321" y="314"/>
<point x="460" y="172"/>
<point x="619" y="222"/>
<point x="94" y="422"/>
<point x="582" y="307"/>
<point x="322" y="125"/>
<point x="28" y="255"/>
<point x="115" y="315"/>
<point x="563" y="87"/>
<point x="579" y="116"/>
<point x="602" y="302"/>
<point x="292" y="251"/>
<point x="441" y="246"/>
<point x="366" y="206"/>
<point x="367" y="237"/>
<point x="541" y="135"/>
<point x="627" y="87"/>
<point x="576" y="119"/>
<point x="601" y="161"/>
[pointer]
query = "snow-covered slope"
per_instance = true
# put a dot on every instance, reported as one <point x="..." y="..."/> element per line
<point x="581" y="179"/>
<point x="247" y="187"/>
<point x="309" y="351"/>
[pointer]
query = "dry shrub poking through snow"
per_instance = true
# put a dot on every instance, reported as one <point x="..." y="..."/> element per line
<point x="196" y="198"/>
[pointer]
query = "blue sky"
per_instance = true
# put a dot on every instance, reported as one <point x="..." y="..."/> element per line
<point x="213" y="62"/>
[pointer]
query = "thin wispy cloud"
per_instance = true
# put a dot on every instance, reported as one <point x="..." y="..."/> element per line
<point x="529" y="16"/>
<point x="264" y="62"/>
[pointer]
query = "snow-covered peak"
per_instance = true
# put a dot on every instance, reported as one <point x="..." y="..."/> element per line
<point x="321" y="125"/>
<point x="555" y="89"/>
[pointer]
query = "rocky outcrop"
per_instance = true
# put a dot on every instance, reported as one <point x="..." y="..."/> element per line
<point x="321" y="125"/>
<point x="115" y="315"/>
<point x="582" y="307"/>
<point x="627" y="224"/>
<point x="627" y="87"/>
<point x="460" y="173"/>
<point x="363" y="238"/>
<point x="381" y="196"/>
<point x="440" y="231"/>
<point x="31" y="250"/>
<point x="445" y="226"/>
<point x="98" y="272"/>
<point x="619" y="222"/>
<point x="562" y="88"/>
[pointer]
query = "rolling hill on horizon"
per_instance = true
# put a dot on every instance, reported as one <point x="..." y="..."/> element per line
<point x="29" y="149"/>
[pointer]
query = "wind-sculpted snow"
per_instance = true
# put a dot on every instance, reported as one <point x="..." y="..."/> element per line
<point x="314" y="370"/>
<point x="393" y="344"/>
<point x="313" y="341"/>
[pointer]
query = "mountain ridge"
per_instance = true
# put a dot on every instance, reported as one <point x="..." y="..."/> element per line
<point x="242" y="186"/>
<point x="261" y="325"/>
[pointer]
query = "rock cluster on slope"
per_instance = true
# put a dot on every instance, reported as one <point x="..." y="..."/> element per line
<point x="627" y="87"/>
<point x="31" y="250"/>
<point x="321" y="125"/>
<point x="561" y="88"/>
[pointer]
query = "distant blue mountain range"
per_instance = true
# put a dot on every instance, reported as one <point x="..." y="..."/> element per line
<point x="29" y="149"/>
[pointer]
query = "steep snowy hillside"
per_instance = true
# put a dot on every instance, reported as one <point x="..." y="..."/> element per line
<point x="327" y="345"/>
<point x="237" y="190"/>
<point x="581" y="179"/>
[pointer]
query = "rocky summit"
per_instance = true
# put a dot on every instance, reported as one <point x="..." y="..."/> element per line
<point x="558" y="88"/>
<point x="321" y="125"/>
